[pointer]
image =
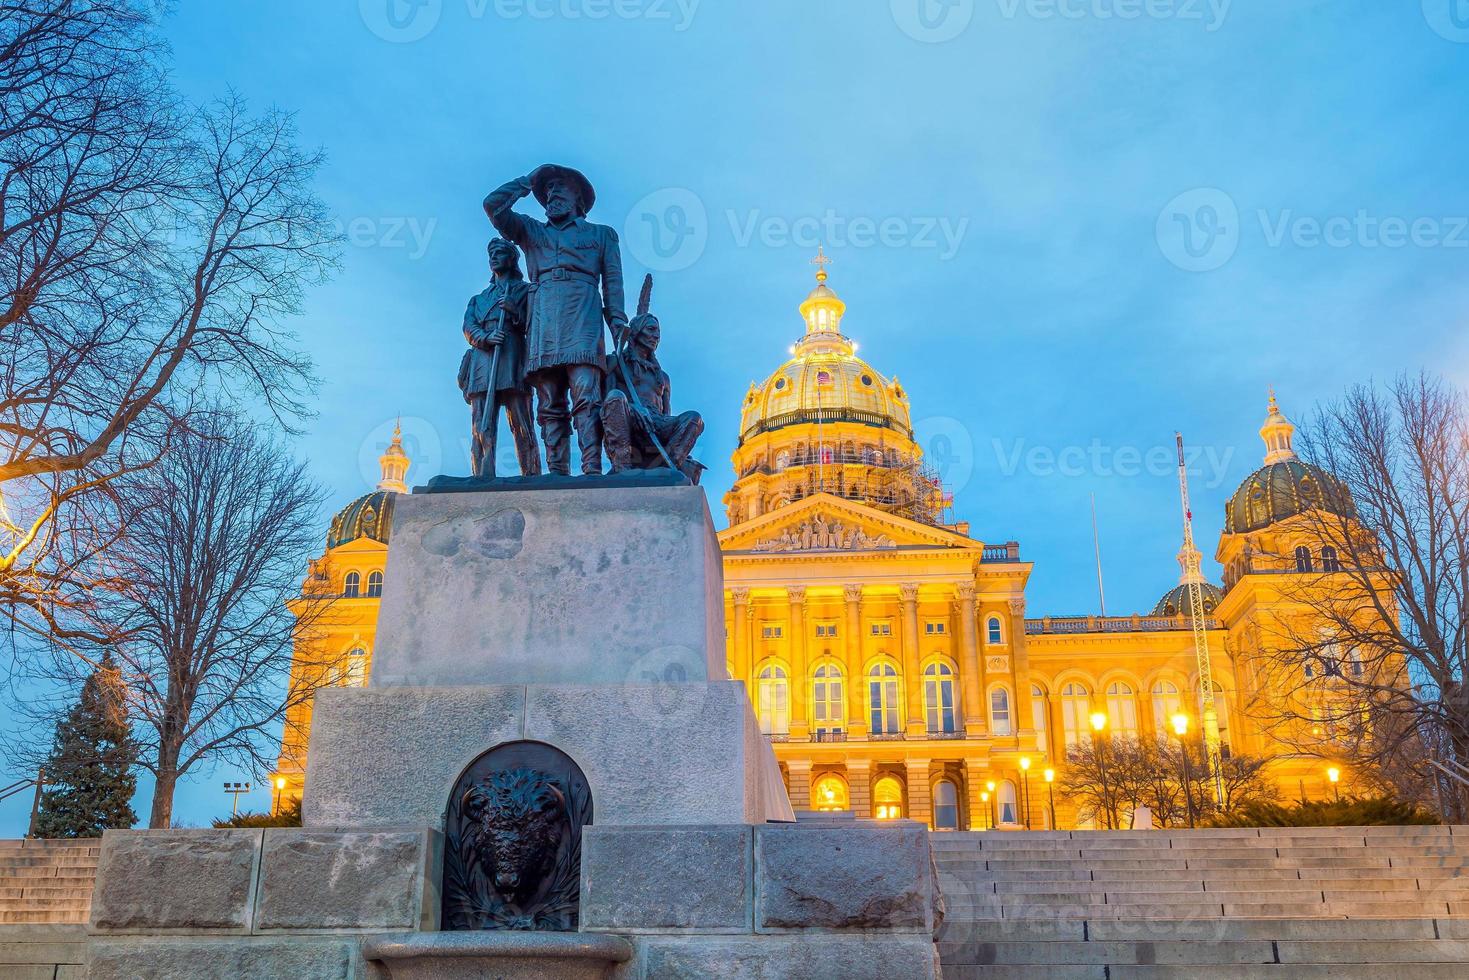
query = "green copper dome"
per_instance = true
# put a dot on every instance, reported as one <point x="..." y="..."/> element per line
<point x="369" y="516"/>
<point x="1175" y="600"/>
<point x="1284" y="489"/>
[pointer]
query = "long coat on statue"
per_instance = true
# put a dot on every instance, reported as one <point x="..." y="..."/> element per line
<point x="479" y="322"/>
<point x="564" y="262"/>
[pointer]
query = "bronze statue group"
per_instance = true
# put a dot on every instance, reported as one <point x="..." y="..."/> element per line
<point x="544" y="339"/>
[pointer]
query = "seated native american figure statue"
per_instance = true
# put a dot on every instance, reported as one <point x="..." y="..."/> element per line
<point x="639" y="431"/>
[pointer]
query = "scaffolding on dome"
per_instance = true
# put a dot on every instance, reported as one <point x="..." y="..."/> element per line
<point x="904" y="487"/>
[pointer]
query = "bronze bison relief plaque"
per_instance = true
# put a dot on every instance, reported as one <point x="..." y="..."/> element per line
<point x="512" y="841"/>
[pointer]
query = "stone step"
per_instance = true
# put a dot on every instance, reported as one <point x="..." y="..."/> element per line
<point x="1203" y="952"/>
<point x="29" y="904"/>
<point x="1219" y="930"/>
<point x="8" y="917"/>
<point x="1274" y="971"/>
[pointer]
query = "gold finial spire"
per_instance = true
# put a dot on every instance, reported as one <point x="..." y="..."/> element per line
<point x="1277" y="432"/>
<point x="394" y="462"/>
<point x="821" y="262"/>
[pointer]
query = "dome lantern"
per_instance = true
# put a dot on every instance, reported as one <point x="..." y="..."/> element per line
<point x="1277" y="432"/>
<point x="394" y="462"/>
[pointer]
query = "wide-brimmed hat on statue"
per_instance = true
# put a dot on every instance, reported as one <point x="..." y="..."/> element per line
<point x="543" y="175"/>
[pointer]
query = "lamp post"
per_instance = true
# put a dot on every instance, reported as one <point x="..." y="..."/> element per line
<point x="1333" y="776"/>
<point x="1050" y="775"/>
<point x="1099" y="722"/>
<point x="1025" y="782"/>
<point x="1180" y="726"/>
<point x="280" y="790"/>
<point x="994" y="816"/>
<point x="989" y="815"/>
<point x="235" y="789"/>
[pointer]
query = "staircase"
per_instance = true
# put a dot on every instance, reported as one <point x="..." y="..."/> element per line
<point x="1272" y="903"/>
<point x="47" y="881"/>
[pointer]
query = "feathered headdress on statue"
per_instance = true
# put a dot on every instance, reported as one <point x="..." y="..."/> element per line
<point x="644" y="319"/>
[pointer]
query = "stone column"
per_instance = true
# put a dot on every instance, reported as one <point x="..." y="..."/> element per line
<point x="920" y="794"/>
<point x="800" y="783"/>
<point x="1020" y="662"/>
<point x="740" y="630"/>
<point x="912" y="675"/>
<point x="800" y="670"/>
<point x="976" y="713"/>
<point x="859" y="787"/>
<point x="856" y="682"/>
<point x="975" y="775"/>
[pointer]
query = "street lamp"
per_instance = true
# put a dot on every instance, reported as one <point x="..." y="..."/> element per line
<point x="1180" y="726"/>
<point x="1050" y="775"/>
<point x="985" y="799"/>
<point x="1025" y="782"/>
<point x="1333" y="776"/>
<point x="994" y="816"/>
<point x="235" y="790"/>
<point x="1099" y="722"/>
<point x="280" y="791"/>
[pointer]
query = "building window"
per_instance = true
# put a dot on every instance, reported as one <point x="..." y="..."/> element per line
<point x="1038" y="711"/>
<point x="352" y="585"/>
<point x="1122" y="710"/>
<point x="1221" y="708"/>
<point x="887" y="799"/>
<point x="1167" y="702"/>
<point x="1076" y="708"/>
<point x="773" y="694"/>
<point x="829" y="795"/>
<point x="826" y="629"/>
<point x="938" y="697"/>
<point x="828" y="706"/>
<point x="1329" y="562"/>
<point x="945" y="806"/>
<point x="355" y="674"/>
<point x="375" y="585"/>
<point x="771" y="632"/>
<point x="935" y="628"/>
<point x="1303" y="559"/>
<point x="1000" y="712"/>
<point x="994" y="631"/>
<point x="882" y="699"/>
<point x="1007" y="806"/>
<point x="782" y="460"/>
<point x="884" y="628"/>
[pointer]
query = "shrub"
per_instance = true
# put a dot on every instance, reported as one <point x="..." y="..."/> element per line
<point x="289" y="816"/>
<point x="1351" y="811"/>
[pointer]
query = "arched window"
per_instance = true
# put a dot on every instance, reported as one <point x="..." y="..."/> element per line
<point x="882" y="699"/>
<point x="774" y="702"/>
<point x="1221" y="708"/>
<point x="1076" y="709"/>
<point x="352" y="585"/>
<point x="1007" y="807"/>
<point x="945" y="806"/>
<point x="994" y="632"/>
<point x="1038" y="711"/>
<point x="375" y="585"/>
<point x="1000" y="712"/>
<point x="1303" y="559"/>
<point x="829" y="794"/>
<point x="887" y="799"/>
<point x="828" y="706"/>
<point x="1167" y="702"/>
<point x="1122" y="710"/>
<point x="1329" y="561"/>
<point x="938" y="696"/>
<point x="355" y="674"/>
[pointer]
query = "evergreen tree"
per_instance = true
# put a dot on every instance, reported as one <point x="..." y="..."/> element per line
<point x="89" y="775"/>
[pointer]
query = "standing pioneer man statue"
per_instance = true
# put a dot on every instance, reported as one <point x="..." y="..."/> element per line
<point x="568" y="258"/>
<point x="642" y="432"/>
<point x="492" y="374"/>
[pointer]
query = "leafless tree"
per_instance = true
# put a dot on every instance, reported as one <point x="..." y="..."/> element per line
<point x="1370" y="666"/>
<point x="218" y="537"/>
<point x="148" y="250"/>
<point x="1110" y="779"/>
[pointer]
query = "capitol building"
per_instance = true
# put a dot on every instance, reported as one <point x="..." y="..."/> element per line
<point x="890" y="656"/>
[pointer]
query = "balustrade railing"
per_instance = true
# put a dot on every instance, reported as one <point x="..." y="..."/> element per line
<point x="1113" y="624"/>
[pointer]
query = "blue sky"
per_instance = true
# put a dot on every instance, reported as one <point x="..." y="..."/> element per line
<point x="1070" y="227"/>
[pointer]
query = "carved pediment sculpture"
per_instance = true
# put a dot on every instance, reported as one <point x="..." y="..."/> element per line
<point x="818" y="534"/>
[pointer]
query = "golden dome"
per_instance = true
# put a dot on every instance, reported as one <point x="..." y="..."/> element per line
<point x="824" y="380"/>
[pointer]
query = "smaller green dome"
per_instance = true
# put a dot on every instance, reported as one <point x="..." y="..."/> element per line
<point x="1281" y="490"/>
<point x="1175" y="600"/>
<point x="369" y="516"/>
